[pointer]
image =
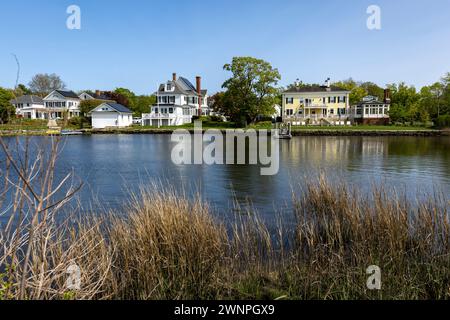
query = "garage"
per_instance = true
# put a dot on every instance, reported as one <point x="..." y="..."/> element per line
<point x="111" y="115"/>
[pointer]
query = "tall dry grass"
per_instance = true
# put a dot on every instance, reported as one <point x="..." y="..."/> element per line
<point x="165" y="246"/>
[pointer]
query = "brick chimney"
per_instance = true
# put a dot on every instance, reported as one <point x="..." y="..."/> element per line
<point x="174" y="77"/>
<point x="98" y="93"/>
<point x="199" y="92"/>
<point x="387" y="96"/>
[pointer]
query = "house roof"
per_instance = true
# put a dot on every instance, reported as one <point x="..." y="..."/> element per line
<point x="373" y="101"/>
<point x="315" y="89"/>
<point x="67" y="94"/>
<point x="95" y="96"/>
<point x="182" y="86"/>
<point x="28" y="99"/>
<point x="119" y="108"/>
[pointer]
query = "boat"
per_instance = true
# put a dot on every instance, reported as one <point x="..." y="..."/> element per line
<point x="53" y="132"/>
<point x="284" y="131"/>
<point x="284" y="136"/>
<point x="71" y="133"/>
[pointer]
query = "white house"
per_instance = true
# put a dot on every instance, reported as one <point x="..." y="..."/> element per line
<point x="110" y="114"/>
<point x="372" y="111"/>
<point x="30" y="107"/>
<point x="177" y="102"/>
<point x="277" y="113"/>
<point x="60" y="101"/>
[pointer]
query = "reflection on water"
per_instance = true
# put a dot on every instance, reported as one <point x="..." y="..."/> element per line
<point x="113" y="165"/>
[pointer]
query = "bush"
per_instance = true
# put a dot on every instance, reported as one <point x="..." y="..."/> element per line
<point x="443" y="121"/>
<point x="78" y="122"/>
<point x="215" y="119"/>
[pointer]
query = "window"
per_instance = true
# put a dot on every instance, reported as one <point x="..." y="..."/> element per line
<point x="156" y="110"/>
<point x="331" y="111"/>
<point x="172" y="99"/>
<point x="170" y="110"/>
<point x="289" y="100"/>
<point x="289" y="112"/>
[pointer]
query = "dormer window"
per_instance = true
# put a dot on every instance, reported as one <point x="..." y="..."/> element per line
<point x="170" y="87"/>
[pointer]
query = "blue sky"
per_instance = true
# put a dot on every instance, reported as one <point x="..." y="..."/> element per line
<point x="138" y="44"/>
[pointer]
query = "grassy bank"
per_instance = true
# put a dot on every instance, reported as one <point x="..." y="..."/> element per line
<point x="168" y="247"/>
<point x="24" y="127"/>
<point x="39" y="127"/>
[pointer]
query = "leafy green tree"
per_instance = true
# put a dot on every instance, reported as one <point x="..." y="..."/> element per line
<point x="404" y="103"/>
<point x="87" y="106"/>
<point x="125" y="97"/>
<point x="22" y="90"/>
<point x="251" y="89"/>
<point x="373" y="89"/>
<point x="357" y="93"/>
<point x="6" y="109"/>
<point x="142" y="104"/>
<point x="445" y="98"/>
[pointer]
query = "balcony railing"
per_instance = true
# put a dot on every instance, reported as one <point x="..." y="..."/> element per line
<point x="315" y="106"/>
<point x="318" y="117"/>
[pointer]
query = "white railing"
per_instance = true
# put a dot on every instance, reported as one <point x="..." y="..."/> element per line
<point x="159" y="115"/>
<point x="317" y="117"/>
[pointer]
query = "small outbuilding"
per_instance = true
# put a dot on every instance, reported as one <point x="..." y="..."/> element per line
<point x="111" y="115"/>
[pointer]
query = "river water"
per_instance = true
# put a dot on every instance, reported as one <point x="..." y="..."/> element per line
<point x="112" y="166"/>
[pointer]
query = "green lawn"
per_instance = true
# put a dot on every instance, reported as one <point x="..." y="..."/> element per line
<point x="205" y="125"/>
<point x="363" y="128"/>
<point x="36" y="125"/>
<point x="30" y="125"/>
<point x="230" y="125"/>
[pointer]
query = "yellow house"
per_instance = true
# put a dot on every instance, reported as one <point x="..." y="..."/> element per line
<point x="316" y="104"/>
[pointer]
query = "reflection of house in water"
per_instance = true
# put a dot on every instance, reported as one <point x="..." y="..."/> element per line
<point x="374" y="146"/>
<point x="317" y="150"/>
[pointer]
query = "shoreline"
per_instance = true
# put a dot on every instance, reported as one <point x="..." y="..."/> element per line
<point x="295" y="132"/>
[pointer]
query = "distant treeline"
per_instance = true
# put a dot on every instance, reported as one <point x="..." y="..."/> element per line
<point x="408" y="104"/>
<point x="431" y="103"/>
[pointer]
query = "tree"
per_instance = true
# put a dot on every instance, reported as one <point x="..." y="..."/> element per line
<point x="404" y="103"/>
<point x="137" y="104"/>
<point x="373" y="89"/>
<point x="87" y="106"/>
<point x="22" y="90"/>
<point x="251" y="90"/>
<point x="6" y="109"/>
<point x="142" y="104"/>
<point x="218" y="103"/>
<point x="357" y="92"/>
<point x="43" y="84"/>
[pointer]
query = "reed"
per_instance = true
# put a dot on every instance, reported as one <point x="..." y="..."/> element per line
<point x="164" y="245"/>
